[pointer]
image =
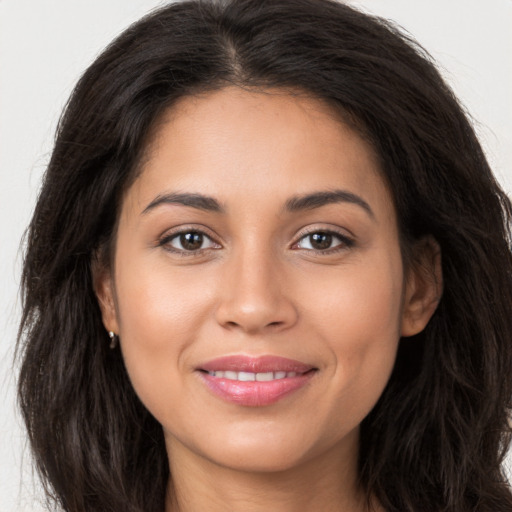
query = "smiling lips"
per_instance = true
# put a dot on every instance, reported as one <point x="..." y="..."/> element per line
<point x="254" y="382"/>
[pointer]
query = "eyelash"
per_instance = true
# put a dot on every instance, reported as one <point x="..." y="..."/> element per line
<point x="166" y="240"/>
<point x="345" y="242"/>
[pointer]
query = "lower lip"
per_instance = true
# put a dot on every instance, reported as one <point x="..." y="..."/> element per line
<point x="255" y="393"/>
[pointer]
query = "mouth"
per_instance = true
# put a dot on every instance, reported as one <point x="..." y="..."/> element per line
<point x="255" y="382"/>
<point x="253" y="377"/>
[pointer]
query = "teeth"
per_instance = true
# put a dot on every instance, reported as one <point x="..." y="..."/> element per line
<point x="262" y="377"/>
<point x="249" y="376"/>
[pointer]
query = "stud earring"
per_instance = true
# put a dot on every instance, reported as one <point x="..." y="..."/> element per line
<point x="113" y="339"/>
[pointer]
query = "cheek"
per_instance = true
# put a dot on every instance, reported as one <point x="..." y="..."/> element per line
<point x="357" y="318"/>
<point x="159" y="302"/>
<point x="159" y="312"/>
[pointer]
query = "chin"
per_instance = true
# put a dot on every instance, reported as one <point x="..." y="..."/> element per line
<point x="264" y="458"/>
<point x="263" y="451"/>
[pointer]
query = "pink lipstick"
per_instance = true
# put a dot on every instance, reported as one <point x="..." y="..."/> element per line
<point x="254" y="381"/>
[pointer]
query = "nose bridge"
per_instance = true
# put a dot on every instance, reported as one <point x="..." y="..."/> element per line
<point x="254" y="299"/>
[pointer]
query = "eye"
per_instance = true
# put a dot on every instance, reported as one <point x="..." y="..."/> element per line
<point x="188" y="241"/>
<point x="323" y="241"/>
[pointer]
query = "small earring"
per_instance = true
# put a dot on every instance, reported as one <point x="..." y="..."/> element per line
<point x="113" y="339"/>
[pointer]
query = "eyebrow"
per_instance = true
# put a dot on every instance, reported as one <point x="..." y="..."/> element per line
<point x="294" y="204"/>
<point x="198" y="201"/>
<point x="322" y="198"/>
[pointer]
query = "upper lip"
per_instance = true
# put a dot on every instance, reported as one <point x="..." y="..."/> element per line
<point x="260" y="364"/>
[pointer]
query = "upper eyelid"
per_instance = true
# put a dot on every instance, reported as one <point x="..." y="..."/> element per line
<point x="172" y="233"/>
<point x="179" y="230"/>
<point x="164" y="241"/>
<point x="346" y="241"/>
<point x="342" y="233"/>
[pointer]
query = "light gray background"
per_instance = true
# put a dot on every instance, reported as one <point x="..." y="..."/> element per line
<point x="46" y="44"/>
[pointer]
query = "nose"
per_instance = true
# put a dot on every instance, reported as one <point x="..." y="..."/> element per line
<point x="253" y="298"/>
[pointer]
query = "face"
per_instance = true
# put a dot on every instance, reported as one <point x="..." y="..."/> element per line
<point x="258" y="288"/>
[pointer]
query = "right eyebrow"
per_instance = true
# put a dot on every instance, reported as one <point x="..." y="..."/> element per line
<point x="322" y="198"/>
<point x="199" y="201"/>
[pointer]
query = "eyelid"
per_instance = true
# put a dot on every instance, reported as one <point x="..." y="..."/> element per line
<point x="348" y="240"/>
<point x="169" y="235"/>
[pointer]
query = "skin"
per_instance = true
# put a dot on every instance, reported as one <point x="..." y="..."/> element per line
<point x="258" y="286"/>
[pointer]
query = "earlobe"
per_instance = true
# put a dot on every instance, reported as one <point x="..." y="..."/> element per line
<point x="104" y="290"/>
<point x="423" y="287"/>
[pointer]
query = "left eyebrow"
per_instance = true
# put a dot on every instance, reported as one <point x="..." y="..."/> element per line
<point x="198" y="201"/>
<point x="322" y="198"/>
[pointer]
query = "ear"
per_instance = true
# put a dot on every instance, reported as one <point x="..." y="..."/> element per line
<point x="103" y="285"/>
<point x="423" y="286"/>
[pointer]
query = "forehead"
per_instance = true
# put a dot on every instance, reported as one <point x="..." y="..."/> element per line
<point x="261" y="145"/>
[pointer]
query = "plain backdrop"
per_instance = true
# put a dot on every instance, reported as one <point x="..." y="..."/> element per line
<point x="46" y="44"/>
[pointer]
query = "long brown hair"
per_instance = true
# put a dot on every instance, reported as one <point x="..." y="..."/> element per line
<point x="436" y="439"/>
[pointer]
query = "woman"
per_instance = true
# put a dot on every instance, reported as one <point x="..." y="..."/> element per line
<point x="269" y="269"/>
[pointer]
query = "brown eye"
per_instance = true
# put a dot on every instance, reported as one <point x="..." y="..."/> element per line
<point x="324" y="241"/>
<point x="189" y="241"/>
<point x="320" y="241"/>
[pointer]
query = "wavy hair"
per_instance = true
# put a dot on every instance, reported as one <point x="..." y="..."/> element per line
<point x="436" y="439"/>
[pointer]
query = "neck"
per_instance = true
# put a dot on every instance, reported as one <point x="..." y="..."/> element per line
<point x="327" y="482"/>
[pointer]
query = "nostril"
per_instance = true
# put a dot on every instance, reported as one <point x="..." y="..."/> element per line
<point x="255" y="315"/>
